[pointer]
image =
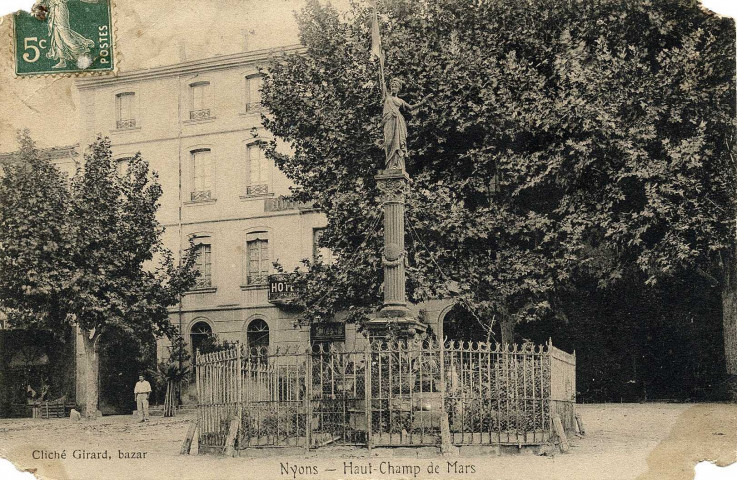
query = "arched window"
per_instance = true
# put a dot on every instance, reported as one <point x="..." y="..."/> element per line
<point x="199" y="332"/>
<point x="257" y="334"/>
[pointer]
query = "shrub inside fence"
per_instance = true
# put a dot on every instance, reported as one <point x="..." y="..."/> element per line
<point x="385" y="394"/>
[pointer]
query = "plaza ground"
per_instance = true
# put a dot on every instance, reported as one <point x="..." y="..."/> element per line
<point x="623" y="441"/>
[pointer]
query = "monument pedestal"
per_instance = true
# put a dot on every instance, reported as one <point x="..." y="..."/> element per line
<point x="399" y="328"/>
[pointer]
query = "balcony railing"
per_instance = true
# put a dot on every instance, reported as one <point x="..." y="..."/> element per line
<point x="253" y="106"/>
<point x="199" y="114"/>
<point x="124" y="124"/>
<point x="201" y="196"/>
<point x="257" y="279"/>
<point x="279" y="204"/>
<point x="255" y="190"/>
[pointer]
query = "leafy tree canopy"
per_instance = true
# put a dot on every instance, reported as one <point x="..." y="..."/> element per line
<point x="562" y="139"/>
<point x="87" y="253"/>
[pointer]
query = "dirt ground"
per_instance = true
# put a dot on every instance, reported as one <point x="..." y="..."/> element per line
<point x="623" y="441"/>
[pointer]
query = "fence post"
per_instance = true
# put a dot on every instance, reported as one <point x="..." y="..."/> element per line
<point x="444" y="424"/>
<point x="198" y="386"/>
<point x="308" y="399"/>
<point x="367" y="392"/>
<point x="239" y="382"/>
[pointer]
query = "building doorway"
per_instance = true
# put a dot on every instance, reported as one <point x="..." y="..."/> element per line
<point x="460" y="324"/>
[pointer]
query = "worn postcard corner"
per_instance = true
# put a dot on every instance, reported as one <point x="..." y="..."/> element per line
<point x="393" y="239"/>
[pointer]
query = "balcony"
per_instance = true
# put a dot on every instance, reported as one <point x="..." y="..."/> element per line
<point x="201" y="196"/>
<point x="280" y="204"/>
<point x="203" y="114"/>
<point x="255" y="279"/>
<point x="257" y="190"/>
<point x="253" y="107"/>
<point x="126" y="124"/>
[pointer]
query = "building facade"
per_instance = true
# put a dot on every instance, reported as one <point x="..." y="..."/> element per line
<point x="198" y="124"/>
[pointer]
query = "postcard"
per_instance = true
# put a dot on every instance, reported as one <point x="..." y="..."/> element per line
<point x="376" y="239"/>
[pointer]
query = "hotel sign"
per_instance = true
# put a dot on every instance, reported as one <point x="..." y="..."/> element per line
<point x="282" y="291"/>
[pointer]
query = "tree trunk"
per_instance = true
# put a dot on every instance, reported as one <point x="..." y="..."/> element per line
<point x="507" y="327"/>
<point x="91" y="376"/>
<point x="729" y="321"/>
<point x="169" y="399"/>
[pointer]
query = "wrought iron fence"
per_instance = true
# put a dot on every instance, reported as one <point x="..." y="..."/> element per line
<point x="387" y="394"/>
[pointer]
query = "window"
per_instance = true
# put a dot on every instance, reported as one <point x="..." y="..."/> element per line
<point x="257" y="258"/>
<point x="257" y="170"/>
<point x="122" y="165"/>
<point x="125" y="110"/>
<point x="319" y="253"/>
<point x="253" y="93"/>
<point x="257" y="334"/>
<point x="198" y="334"/>
<point x="200" y="101"/>
<point x="201" y="175"/>
<point x="203" y="264"/>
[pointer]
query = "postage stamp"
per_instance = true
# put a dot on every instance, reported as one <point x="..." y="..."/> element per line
<point x="64" y="36"/>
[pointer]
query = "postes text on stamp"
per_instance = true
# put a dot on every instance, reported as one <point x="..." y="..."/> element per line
<point x="64" y="36"/>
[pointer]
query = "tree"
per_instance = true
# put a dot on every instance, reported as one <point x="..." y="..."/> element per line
<point x="562" y="140"/>
<point x="89" y="255"/>
<point x="174" y="372"/>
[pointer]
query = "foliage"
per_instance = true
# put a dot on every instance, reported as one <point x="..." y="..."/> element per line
<point x="562" y="140"/>
<point x="211" y="343"/>
<point x="88" y="254"/>
<point x="176" y="368"/>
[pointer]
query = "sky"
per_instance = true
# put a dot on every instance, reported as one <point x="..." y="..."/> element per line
<point x="150" y="33"/>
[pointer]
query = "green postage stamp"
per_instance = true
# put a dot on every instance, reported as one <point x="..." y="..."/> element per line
<point x="64" y="36"/>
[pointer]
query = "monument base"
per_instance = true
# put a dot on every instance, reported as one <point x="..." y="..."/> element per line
<point x="385" y="325"/>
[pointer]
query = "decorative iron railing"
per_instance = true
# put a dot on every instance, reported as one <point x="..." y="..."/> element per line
<point x="257" y="279"/>
<point x="125" y="124"/>
<point x="387" y="394"/>
<point x="279" y="204"/>
<point x="201" y="196"/>
<point x="253" y="106"/>
<point x="259" y="189"/>
<point x="202" y="114"/>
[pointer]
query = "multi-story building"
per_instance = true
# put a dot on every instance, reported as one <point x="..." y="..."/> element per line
<point x="198" y="124"/>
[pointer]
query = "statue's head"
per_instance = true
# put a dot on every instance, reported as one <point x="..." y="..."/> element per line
<point x="395" y="85"/>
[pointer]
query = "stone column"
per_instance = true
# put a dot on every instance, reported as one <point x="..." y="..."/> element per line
<point x="394" y="314"/>
<point x="393" y="184"/>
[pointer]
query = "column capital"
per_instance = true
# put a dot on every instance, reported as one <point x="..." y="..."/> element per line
<point x="392" y="184"/>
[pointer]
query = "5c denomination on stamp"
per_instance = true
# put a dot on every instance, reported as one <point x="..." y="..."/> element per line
<point x="64" y="36"/>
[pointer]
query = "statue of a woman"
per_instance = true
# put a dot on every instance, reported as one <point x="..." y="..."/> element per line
<point x="65" y="44"/>
<point x="395" y="127"/>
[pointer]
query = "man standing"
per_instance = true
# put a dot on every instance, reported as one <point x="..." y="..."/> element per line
<point x="141" y="392"/>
